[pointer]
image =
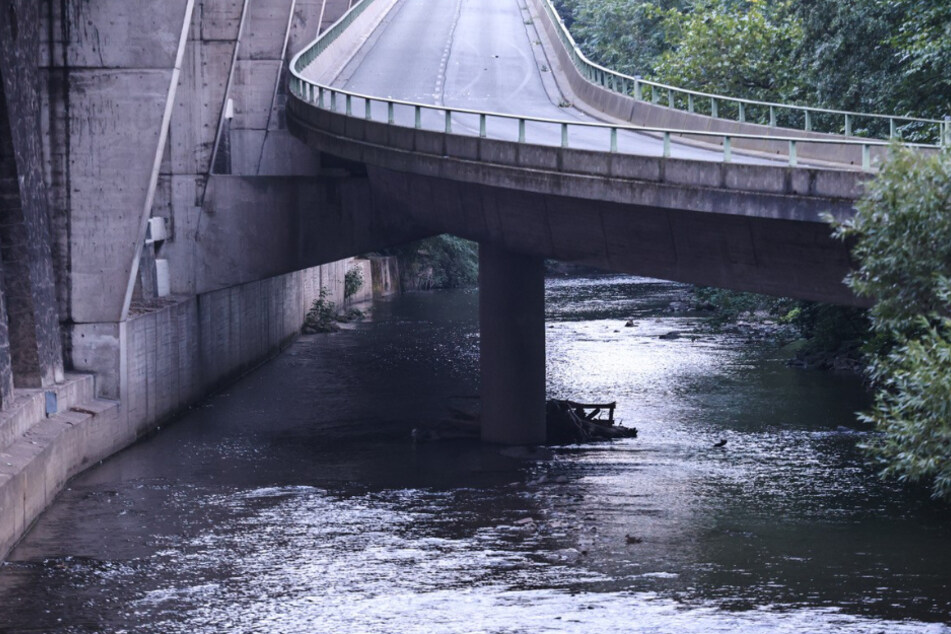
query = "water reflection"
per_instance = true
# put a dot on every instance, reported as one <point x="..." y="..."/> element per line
<point x="296" y="503"/>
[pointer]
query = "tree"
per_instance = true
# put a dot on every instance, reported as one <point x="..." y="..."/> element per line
<point x="846" y="56"/>
<point x="902" y="242"/>
<point x="924" y="45"/>
<point x="625" y="35"/>
<point x="743" y="49"/>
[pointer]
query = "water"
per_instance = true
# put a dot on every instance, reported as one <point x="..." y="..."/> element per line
<point x="295" y="501"/>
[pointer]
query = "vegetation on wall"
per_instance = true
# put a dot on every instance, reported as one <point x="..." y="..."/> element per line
<point x="352" y="281"/>
<point x="442" y="261"/>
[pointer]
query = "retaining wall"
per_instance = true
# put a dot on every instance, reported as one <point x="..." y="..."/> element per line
<point x="165" y="357"/>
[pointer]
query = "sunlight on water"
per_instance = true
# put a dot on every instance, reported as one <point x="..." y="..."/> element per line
<point x="296" y="502"/>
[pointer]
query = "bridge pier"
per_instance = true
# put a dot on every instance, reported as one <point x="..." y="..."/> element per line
<point x="512" y="346"/>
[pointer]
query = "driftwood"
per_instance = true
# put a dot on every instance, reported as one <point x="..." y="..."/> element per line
<point x="567" y="422"/>
<point x="571" y="422"/>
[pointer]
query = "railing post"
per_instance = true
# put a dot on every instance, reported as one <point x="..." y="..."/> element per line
<point x="333" y="101"/>
<point x="448" y="121"/>
<point x="613" y="139"/>
<point x="891" y="128"/>
<point x="369" y="110"/>
<point x="320" y="97"/>
<point x="666" y="144"/>
<point x="772" y="116"/>
<point x="714" y="110"/>
<point x="742" y="112"/>
<point x="349" y="110"/>
<point x="655" y="95"/>
<point x="521" y="130"/>
<point x="419" y="118"/>
<point x="389" y="112"/>
<point x="690" y="102"/>
<point x="482" y="125"/>
<point x="808" y="125"/>
<point x="564" y="135"/>
<point x="793" y="159"/>
<point x="866" y="157"/>
<point x="670" y="98"/>
<point x="848" y="125"/>
<point x="624" y="85"/>
<point x="727" y="149"/>
<point x="638" y="91"/>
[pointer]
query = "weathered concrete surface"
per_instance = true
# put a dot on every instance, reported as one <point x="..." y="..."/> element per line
<point x="746" y="227"/>
<point x="167" y="355"/>
<point x="29" y="286"/>
<point x="116" y="62"/>
<point x="512" y="346"/>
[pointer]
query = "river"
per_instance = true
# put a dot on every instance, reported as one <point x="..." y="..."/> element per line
<point x="296" y="501"/>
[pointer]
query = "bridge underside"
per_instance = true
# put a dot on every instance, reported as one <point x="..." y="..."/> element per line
<point x="778" y="257"/>
<point x="517" y="229"/>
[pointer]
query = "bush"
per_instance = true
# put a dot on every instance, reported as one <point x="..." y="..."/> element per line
<point x="322" y="315"/>
<point x="352" y="282"/>
<point x="902" y="235"/>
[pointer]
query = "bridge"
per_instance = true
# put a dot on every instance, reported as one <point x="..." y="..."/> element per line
<point x="481" y="120"/>
<point x="179" y="180"/>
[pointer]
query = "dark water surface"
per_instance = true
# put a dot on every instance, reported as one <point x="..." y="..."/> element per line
<point x="295" y="501"/>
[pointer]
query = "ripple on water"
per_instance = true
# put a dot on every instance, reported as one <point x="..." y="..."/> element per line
<point x="262" y="512"/>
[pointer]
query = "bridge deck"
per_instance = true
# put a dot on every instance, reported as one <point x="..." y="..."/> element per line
<point x="482" y="55"/>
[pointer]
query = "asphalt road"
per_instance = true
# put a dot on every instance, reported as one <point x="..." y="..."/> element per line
<point x="480" y="55"/>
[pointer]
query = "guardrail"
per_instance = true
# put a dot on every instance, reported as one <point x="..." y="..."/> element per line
<point x="420" y="115"/>
<point x="809" y="119"/>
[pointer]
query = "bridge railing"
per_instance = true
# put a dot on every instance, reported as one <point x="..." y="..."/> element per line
<point x="546" y="131"/>
<point x="807" y="118"/>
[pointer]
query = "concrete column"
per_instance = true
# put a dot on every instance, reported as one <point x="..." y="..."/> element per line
<point x="29" y="285"/>
<point x="6" y="367"/>
<point x="512" y="346"/>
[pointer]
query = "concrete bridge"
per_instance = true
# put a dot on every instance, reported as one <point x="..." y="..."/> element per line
<point x="172" y="198"/>
<point x="479" y="119"/>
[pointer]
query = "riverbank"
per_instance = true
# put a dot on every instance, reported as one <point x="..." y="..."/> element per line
<point x="166" y="357"/>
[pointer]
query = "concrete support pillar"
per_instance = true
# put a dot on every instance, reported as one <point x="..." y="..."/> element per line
<point x="29" y="285"/>
<point x="6" y="364"/>
<point x="512" y="346"/>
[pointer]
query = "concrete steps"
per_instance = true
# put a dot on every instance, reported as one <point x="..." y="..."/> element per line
<point x="29" y="405"/>
<point x="39" y="453"/>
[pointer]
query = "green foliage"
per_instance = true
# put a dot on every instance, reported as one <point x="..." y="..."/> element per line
<point x="729" y="306"/>
<point x="844" y="56"/>
<point x="902" y="230"/>
<point x="352" y="281"/>
<point x="902" y="242"/>
<point x="620" y="34"/>
<point x="322" y="315"/>
<point x="923" y="42"/>
<point x="439" y="262"/>
<point x="885" y="56"/>
<point x="744" y="51"/>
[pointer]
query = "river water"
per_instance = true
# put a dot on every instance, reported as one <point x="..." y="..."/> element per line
<point x="296" y="501"/>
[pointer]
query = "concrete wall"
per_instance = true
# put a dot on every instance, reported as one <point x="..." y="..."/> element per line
<point x="166" y="356"/>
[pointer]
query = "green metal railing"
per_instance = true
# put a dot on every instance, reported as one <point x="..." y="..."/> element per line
<point x="329" y="98"/>
<point x="807" y="118"/>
